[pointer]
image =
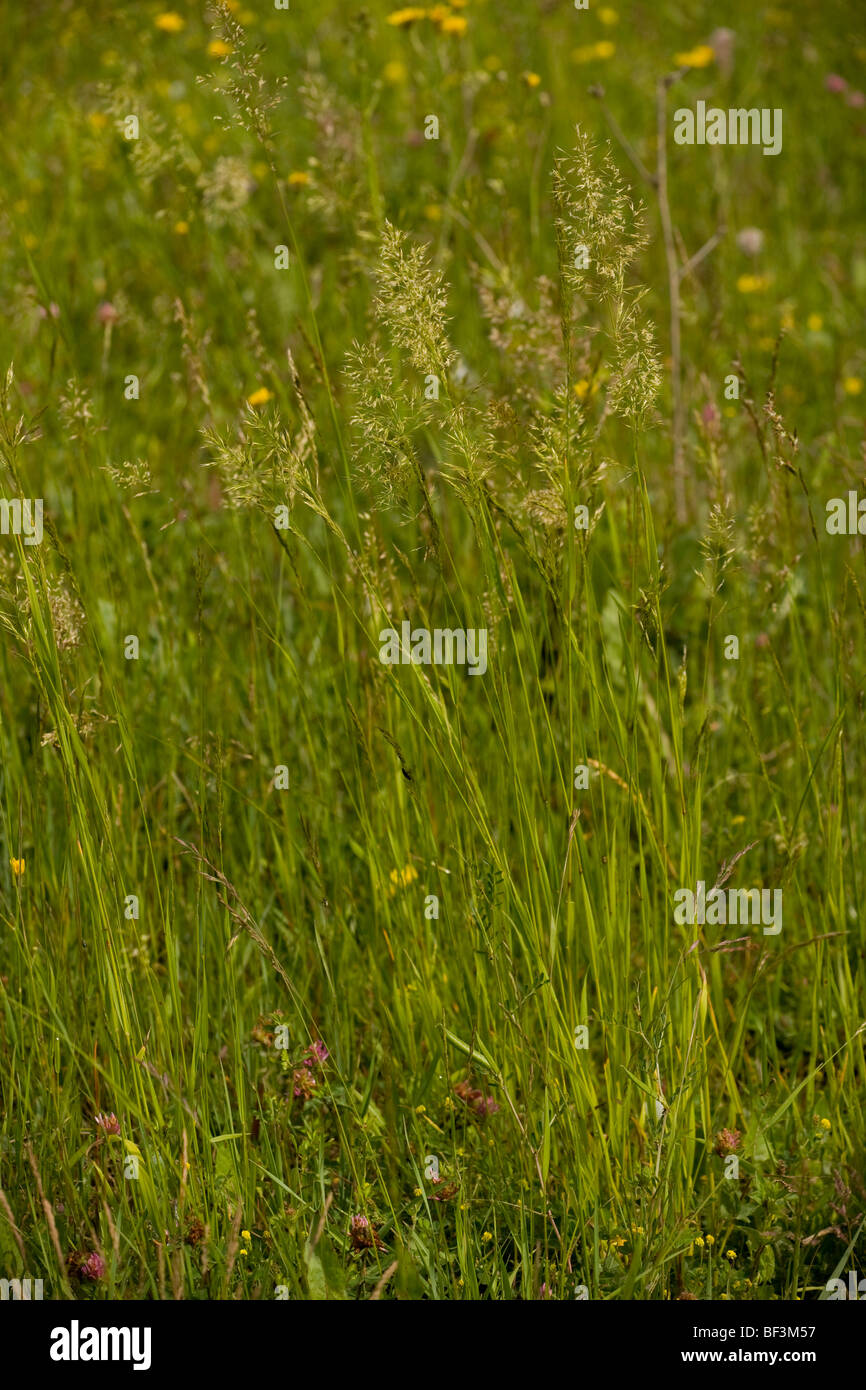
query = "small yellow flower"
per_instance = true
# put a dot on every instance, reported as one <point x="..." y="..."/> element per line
<point x="492" y="63"/>
<point x="752" y="284"/>
<point x="852" y="386"/>
<point x="218" y="48"/>
<point x="438" y="13"/>
<point x="170" y="22"/>
<point x="259" y="397"/>
<point x="97" y="120"/>
<point x="699" y="57"/>
<point x="395" y="73"/>
<point x="245" y="1235"/>
<point x="181" y="228"/>
<point x="582" y="389"/>
<point x="699" y="1242"/>
<point x="605" y="49"/>
<point x="17" y="867"/>
<point x="420" y="1109"/>
<point x="433" y="212"/>
<point x="608" y="16"/>
<point x="711" y="1240"/>
<point x="418" y="1192"/>
<point x="400" y="18"/>
<point x="532" y="79"/>
<point x="402" y="878"/>
<point x="825" y="1124"/>
<point x="814" y="323"/>
<point x="243" y="1252"/>
<point x="298" y="178"/>
<point x="454" y="24"/>
<point x="30" y="241"/>
<point x="486" y="1236"/>
<point x="730" y="1255"/>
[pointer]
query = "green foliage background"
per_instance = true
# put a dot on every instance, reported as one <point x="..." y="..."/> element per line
<point x="305" y="908"/>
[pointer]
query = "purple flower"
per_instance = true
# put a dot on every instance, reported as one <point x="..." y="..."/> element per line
<point x="834" y="83"/>
<point x="92" y="1268"/>
<point x="319" y="1053"/>
<point x="856" y="99"/>
<point x="108" y="1123"/>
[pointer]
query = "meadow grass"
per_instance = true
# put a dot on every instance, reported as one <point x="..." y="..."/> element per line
<point x="429" y="889"/>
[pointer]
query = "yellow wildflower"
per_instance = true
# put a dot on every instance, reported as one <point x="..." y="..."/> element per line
<point x="401" y="878"/>
<point x="420" y="1109"/>
<point x="181" y="228"/>
<point x="730" y="1255"/>
<point x="825" y="1124"/>
<point x="752" y="284"/>
<point x="218" y="48"/>
<point x="586" y="53"/>
<point x="298" y="178"/>
<point x="711" y="1240"/>
<point x="170" y="22"/>
<point x="438" y="13"/>
<point x="699" y="57"/>
<point x="532" y="79"/>
<point x="583" y="388"/>
<point x="433" y="212"/>
<point x="17" y="867"/>
<point x="454" y="24"/>
<point x="699" y="1242"/>
<point x="486" y="1236"/>
<point x="852" y="386"/>
<point x="400" y="18"/>
<point x="395" y="73"/>
<point x="245" y="1235"/>
<point x="814" y="323"/>
<point x="259" y="397"/>
<point x="608" y="16"/>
